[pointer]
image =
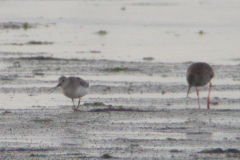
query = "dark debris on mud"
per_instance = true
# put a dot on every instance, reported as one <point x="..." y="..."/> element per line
<point x="119" y="110"/>
<point x="27" y="149"/>
<point x="42" y="58"/>
<point x="17" y="25"/>
<point x="22" y="25"/>
<point x="220" y="151"/>
<point x="111" y="108"/>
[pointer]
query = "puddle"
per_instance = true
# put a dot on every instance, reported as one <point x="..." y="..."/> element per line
<point x="225" y="136"/>
<point x="15" y="101"/>
<point x="137" y="135"/>
<point x="203" y="94"/>
<point x="152" y="120"/>
<point x="39" y="140"/>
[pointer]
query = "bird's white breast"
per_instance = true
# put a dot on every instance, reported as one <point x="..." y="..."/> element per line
<point x="77" y="92"/>
<point x="81" y="91"/>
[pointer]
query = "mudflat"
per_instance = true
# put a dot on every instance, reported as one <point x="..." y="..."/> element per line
<point x="135" y="56"/>
<point x="121" y="117"/>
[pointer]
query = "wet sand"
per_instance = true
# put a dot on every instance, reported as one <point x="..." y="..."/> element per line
<point x="166" y="134"/>
<point x="123" y="117"/>
<point x="135" y="56"/>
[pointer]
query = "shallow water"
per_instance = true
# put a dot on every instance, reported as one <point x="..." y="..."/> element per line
<point x="143" y="29"/>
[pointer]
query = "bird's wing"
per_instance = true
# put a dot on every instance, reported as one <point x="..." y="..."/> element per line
<point x="82" y="82"/>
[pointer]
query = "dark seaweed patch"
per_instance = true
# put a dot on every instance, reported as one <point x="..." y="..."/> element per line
<point x="38" y="43"/>
<point x="46" y="58"/>
<point x="30" y="149"/>
<point x="120" y="109"/>
<point x="175" y="151"/>
<point x="37" y="120"/>
<point x="106" y="156"/>
<point x="101" y="33"/>
<point x="95" y="104"/>
<point x="219" y="150"/>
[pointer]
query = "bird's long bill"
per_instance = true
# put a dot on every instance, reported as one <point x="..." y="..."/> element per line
<point x="189" y="87"/>
<point x="54" y="88"/>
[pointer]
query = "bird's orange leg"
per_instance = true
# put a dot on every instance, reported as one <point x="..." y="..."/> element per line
<point x="198" y="97"/>
<point x="76" y="109"/>
<point x="208" y="101"/>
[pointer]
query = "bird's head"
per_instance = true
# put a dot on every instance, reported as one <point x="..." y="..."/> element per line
<point x="62" y="81"/>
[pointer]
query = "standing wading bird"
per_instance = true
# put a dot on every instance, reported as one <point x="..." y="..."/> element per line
<point x="72" y="87"/>
<point x="199" y="74"/>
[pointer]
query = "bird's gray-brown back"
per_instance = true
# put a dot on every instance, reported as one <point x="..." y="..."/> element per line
<point x="199" y="74"/>
<point x="78" y="81"/>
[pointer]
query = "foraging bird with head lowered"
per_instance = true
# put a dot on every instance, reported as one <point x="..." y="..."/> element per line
<point x="199" y="74"/>
<point x="72" y="87"/>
